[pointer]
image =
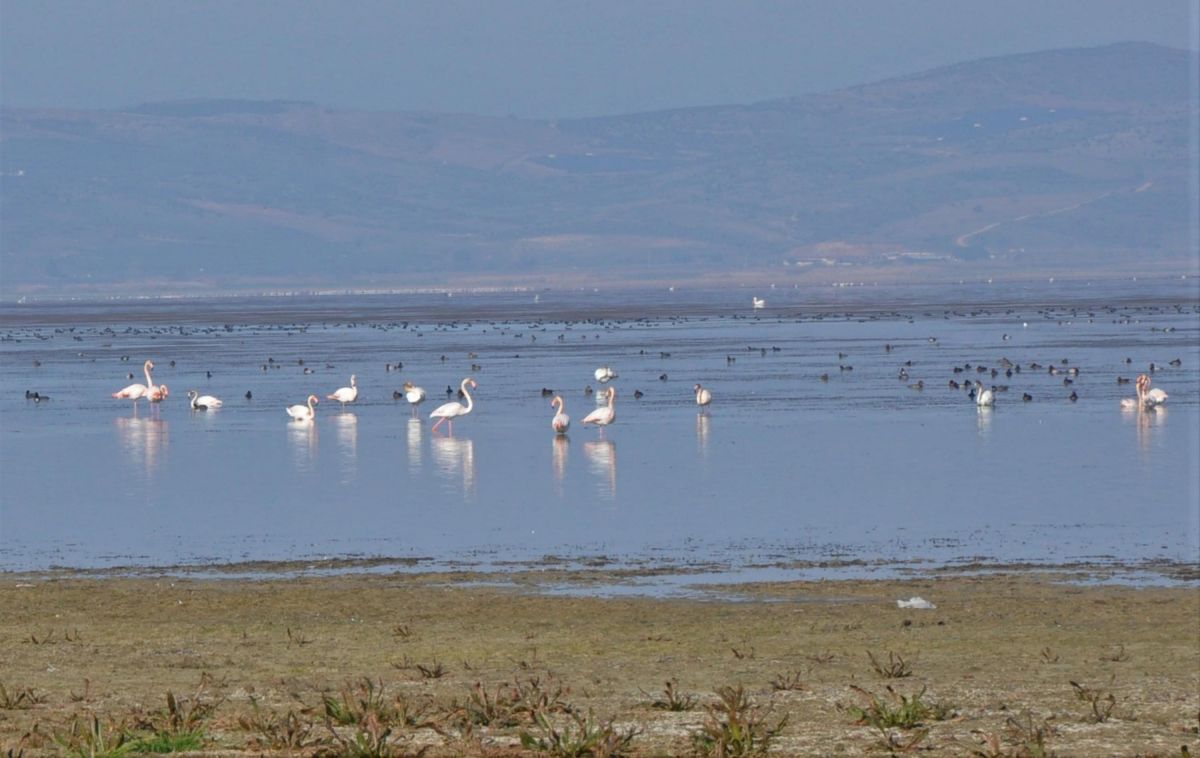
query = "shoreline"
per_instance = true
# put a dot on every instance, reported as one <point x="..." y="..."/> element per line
<point x="995" y="660"/>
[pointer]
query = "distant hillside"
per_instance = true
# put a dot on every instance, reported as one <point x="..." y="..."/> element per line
<point x="1061" y="160"/>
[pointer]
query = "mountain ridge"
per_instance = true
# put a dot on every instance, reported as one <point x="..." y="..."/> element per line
<point x="1056" y="160"/>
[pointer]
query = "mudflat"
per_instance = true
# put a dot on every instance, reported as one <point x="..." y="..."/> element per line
<point x="1008" y="663"/>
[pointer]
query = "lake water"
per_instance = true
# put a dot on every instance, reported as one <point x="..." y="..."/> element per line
<point x="784" y="475"/>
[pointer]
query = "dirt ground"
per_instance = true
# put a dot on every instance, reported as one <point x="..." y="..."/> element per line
<point x="389" y="664"/>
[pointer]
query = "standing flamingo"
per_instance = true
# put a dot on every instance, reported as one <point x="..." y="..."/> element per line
<point x="703" y="396"/>
<point x="414" y="395"/>
<point x="453" y="410"/>
<point x="1150" y="397"/>
<point x="561" y="421"/>
<point x="303" y="412"/>
<point x="136" y="392"/>
<point x="602" y="417"/>
<point x="345" y="394"/>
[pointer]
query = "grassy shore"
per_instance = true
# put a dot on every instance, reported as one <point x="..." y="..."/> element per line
<point x="1008" y="664"/>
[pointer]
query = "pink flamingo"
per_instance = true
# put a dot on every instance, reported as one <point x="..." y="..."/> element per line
<point x="136" y="392"/>
<point x="602" y="417"/>
<point x="453" y="410"/>
<point x="561" y="421"/>
<point x="303" y="412"/>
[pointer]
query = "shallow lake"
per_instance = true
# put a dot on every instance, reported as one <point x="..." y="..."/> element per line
<point x="785" y="474"/>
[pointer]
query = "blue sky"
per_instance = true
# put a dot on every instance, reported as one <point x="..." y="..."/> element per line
<point x="534" y="58"/>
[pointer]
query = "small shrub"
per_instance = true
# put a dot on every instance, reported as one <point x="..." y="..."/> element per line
<point x="1101" y="701"/>
<point x="580" y="736"/>
<point x="672" y="699"/>
<point x="736" y="727"/>
<point x="895" y="668"/>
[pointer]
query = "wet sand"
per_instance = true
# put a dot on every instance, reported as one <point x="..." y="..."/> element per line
<point x="996" y="661"/>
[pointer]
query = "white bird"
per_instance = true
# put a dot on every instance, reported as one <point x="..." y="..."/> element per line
<point x="414" y="395"/>
<point x="159" y="393"/>
<point x="602" y="417"/>
<point x="758" y="302"/>
<point x="203" y="402"/>
<point x="983" y="398"/>
<point x="1149" y="398"/>
<point x="604" y="374"/>
<point x="345" y="394"/>
<point x="451" y="411"/>
<point x="561" y="421"/>
<point x="703" y="396"/>
<point x="136" y="392"/>
<point x="304" y="412"/>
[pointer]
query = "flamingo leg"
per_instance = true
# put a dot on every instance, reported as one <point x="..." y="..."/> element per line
<point x="439" y="423"/>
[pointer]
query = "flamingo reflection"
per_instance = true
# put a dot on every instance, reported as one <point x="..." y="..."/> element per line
<point x="602" y="460"/>
<point x="455" y="456"/>
<point x="346" y="426"/>
<point x="302" y="438"/>
<point x="702" y="433"/>
<point x="983" y="419"/>
<point x="144" y="440"/>
<point x="561" y="447"/>
<point x="414" y="444"/>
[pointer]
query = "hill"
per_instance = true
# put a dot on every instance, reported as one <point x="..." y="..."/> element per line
<point x="1066" y="160"/>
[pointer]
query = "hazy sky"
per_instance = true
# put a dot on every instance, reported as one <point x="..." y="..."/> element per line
<point x="532" y="58"/>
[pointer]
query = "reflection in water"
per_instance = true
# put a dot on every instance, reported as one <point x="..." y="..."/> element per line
<point x="983" y="420"/>
<point x="455" y="455"/>
<point x="302" y="436"/>
<point x="346" y="425"/>
<point x="702" y="433"/>
<point x="144" y="440"/>
<point x="414" y="444"/>
<point x="1149" y="420"/>
<point x="602" y="460"/>
<point x="562" y="446"/>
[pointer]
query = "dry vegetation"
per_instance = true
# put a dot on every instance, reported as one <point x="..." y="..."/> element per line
<point x="1008" y="665"/>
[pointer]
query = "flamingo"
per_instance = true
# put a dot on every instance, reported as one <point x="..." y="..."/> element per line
<point x="345" y="394"/>
<point x="703" y="396"/>
<point x="561" y="421"/>
<point x="414" y="395"/>
<point x="983" y="398"/>
<point x="605" y="374"/>
<point x="758" y="302"/>
<point x="159" y="393"/>
<point x="1150" y="397"/>
<point x="136" y="392"/>
<point x="203" y="402"/>
<point x="602" y="417"/>
<point x="303" y="412"/>
<point x="453" y="410"/>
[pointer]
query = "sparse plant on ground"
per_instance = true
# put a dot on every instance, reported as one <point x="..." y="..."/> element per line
<point x="273" y="732"/>
<point x="19" y="699"/>
<point x="791" y="680"/>
<point x="895" y="668"/>
<point x="534" y="698"/>
<point x="578" y="736"/>
<point x="1049" y="656"/>
<point x="903" y="712"/>
<point x="89" y="737"/>
<point x="482" y="708"/>
<point x="1102" y="702"/>
<point x="672" y="699"/>
<point x="736" y="727"/>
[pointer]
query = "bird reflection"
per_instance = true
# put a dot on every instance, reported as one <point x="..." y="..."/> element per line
<point x="702" y="433"/>
<point x="602" y="460"/>
<point x="455" y="456"/>
<point x="983" y="420"/>
<point x="302" y="437"/>
<point x="1148" y="420"/>
<point x="144" y="440"/>
<point x="561" y="447"/>
<point x="346" y="425"/>
<point x="414" y="444"/>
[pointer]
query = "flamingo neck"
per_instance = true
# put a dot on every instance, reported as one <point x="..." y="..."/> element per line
<point x="149" y="381"/>
<point x="467" y="395"/>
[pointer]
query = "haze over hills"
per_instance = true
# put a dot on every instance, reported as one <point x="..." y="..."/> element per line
<point x="1061" y="161"/>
